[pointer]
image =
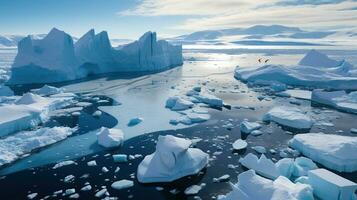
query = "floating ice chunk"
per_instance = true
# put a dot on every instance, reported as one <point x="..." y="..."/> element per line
<point x="172" y="160"/>
<point x="122" y="184"/>
<point x="92" y="163"/>
<point x="64" y="163"/>
<point x="248" y="127"/>
<point x="105" y="169"/>
<point x="251" y="187"/>
<point x="86" y="188"/>
<point x="336" y="152"/>
<point x="5" y="91"/>
<point x="314" y="58"/>
<point x="222" y="178"/>
<point x="337" y="99"/>
<point x="239" y="144"/>
<point x="262" y="166"/>
<point x="68" y="178"/>
<point x="97" y="113"/>
<point x="74" y="196"/>
<point x="70" y="191"/>
<point x="19" y="144"/>
<point x="177" y="103"/>
<point x="120" y="158"/>
<point x="256" y="132"/>
<point x="259" y="149"/>
<point x="209" y="99"/>
<point x="101" y="193"/>
<point x="135" y="121"/>
<point x="110" y="137"/>
<point x="327" y="185"/>
<point x="32" y="195"/>
<point x="353" y="130"/>
<point x="289" y="116"/>
<point x="47" y="90"/>
<point x="302" y="165"/>
<point x="193" y="189"/>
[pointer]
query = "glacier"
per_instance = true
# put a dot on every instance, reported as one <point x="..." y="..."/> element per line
<point x="56" y="58"/>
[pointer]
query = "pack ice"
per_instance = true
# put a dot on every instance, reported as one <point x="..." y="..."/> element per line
<point x="56" y="58"/>
<point x="289" y="116"/>
<point x="335" y="152"/>
<point x="315" y="70"/>
<point x="173" y="159"/>
<point x="251" y="187"/>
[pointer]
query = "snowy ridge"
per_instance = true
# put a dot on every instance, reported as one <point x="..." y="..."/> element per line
<point x="57" y="58"/>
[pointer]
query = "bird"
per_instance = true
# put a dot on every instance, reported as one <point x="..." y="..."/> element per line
<point x="259" y="60"/>
<point x="266" y="60"/>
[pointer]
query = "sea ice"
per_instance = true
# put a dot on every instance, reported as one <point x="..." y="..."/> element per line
<point x="248" y="127"/>
<point x="5" y="91"/>
<point x="64" y="163"/>
<point x="239" y="144"/>
<point x="336" y="152"/>
<point x="177" y="103"/>
<point x="122" y="184"/>
<point x="262" y="166"/>
<point x="193" y="189"/>
<point x="289" y="116"/>
<point x="337" y="99"/>
<point x="172" y="160"/>
<point x="110" y="137"/>
<point x="135" y="121"/>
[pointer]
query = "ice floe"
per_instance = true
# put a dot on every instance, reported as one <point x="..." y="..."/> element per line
<point x="239" y="144"/>
<point x="172" y="160"/>
<point x="290" y="116"/>
<point x="337" y="99"/>
<point x="110" y="137"/>
<point x="335" y="152"/>
<point x="47" y="90"/>
<point x="122" y="184"/>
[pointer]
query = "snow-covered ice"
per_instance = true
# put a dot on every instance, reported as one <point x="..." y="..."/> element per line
<point x="251" y="187"/>
<point x="110" y="137"/>
<point x="337" y="99"/>
<point x="335" y="152"/>
<point x="289" y="116"/>
<point x="262" y="166"/>
<point x="172" y="160"/>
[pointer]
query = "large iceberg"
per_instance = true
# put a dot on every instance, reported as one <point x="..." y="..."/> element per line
<point x="15" y="146"/>
<point x="289" y="116"/>
<point x="337" y="99"/>
<point x="173" y="159"/>
<point x="336" y="152"/>
<point x="251" y="187"/>
<point x="56" y="58"/>
<point x="315" y="70"/>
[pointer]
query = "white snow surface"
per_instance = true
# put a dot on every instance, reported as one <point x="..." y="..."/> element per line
<point x="172" y="160"/>
<point x="335" y="152"/>
<point x="251" y="187"/>
<point x="289" y="116"/>
<point x="16" y="145"/>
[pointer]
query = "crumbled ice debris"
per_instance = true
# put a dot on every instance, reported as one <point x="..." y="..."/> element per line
<point x="105" y="170"/>
<point x="248" y="127"/>
<point x="64" y="163"/>
<point x="259" y="149"/>
<point x="337" y="99"/>
<point x="289" y="116"/>
<point x="120" y="158"/>
<point x="302" y="165"/>
<point x="222" y="178"/>
<point x="86" y="188"/>
<point x="262" y="166"/>
<point x="97" y="113"/>
<point x="239" y="144"/>
<point x="328" y="185"/>
<point x="32" y="195"/>
<point x="92" y="163"/>
<point x="68" y="178"/>
<point x="122" y="184"/>
<point x="336" y="152"/>
<point x="110" y="137"/>
<point x="193" y="189"/>
<point x="101" y="193"/>
<point x="172" y="160"/>
<point x="19" y="144"/>
<point x="251" y="186"/>
<point x="47" y="90"/>
<point x="177" y="103"/>
<point x="135" y="121"/>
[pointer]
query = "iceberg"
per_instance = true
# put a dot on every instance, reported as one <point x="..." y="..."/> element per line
<point x="335" y="152"/>
<point x="248" y="127"/>
<point x="251" y="187"/>
<point x="110" y="137"/>
<point x="336" y="99"/>
<point x="177" y="103"/>
<point x="262" y="166"/>
<point x="328" y="185"/>
<point x="56" y="58"/>
<point x="315" y="70"/>
<point x="291" y="117"/>
<point x="47" y="90"/>
<point x="19" y="144"/>
<point x="173" y="159"/>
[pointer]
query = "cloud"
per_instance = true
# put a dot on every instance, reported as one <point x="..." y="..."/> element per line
<point x="217" y="14"/>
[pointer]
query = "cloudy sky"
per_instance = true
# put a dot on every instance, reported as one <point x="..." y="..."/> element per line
<point x="130" y="18"/>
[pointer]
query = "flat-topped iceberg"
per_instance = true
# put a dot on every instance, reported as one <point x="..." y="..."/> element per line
<point x="251" y="187"/>
<point x="173" y="159"/>
<point x="335" y="152"/>
<point x="19" y="144"/>
<point x="315" y="70"/>
<point x="337" y="99"/>
<point x="56" y="58"/>
<point x="291" y="117"/>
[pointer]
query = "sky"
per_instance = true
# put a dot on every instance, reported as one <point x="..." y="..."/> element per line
<point x="131" y="18"/>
